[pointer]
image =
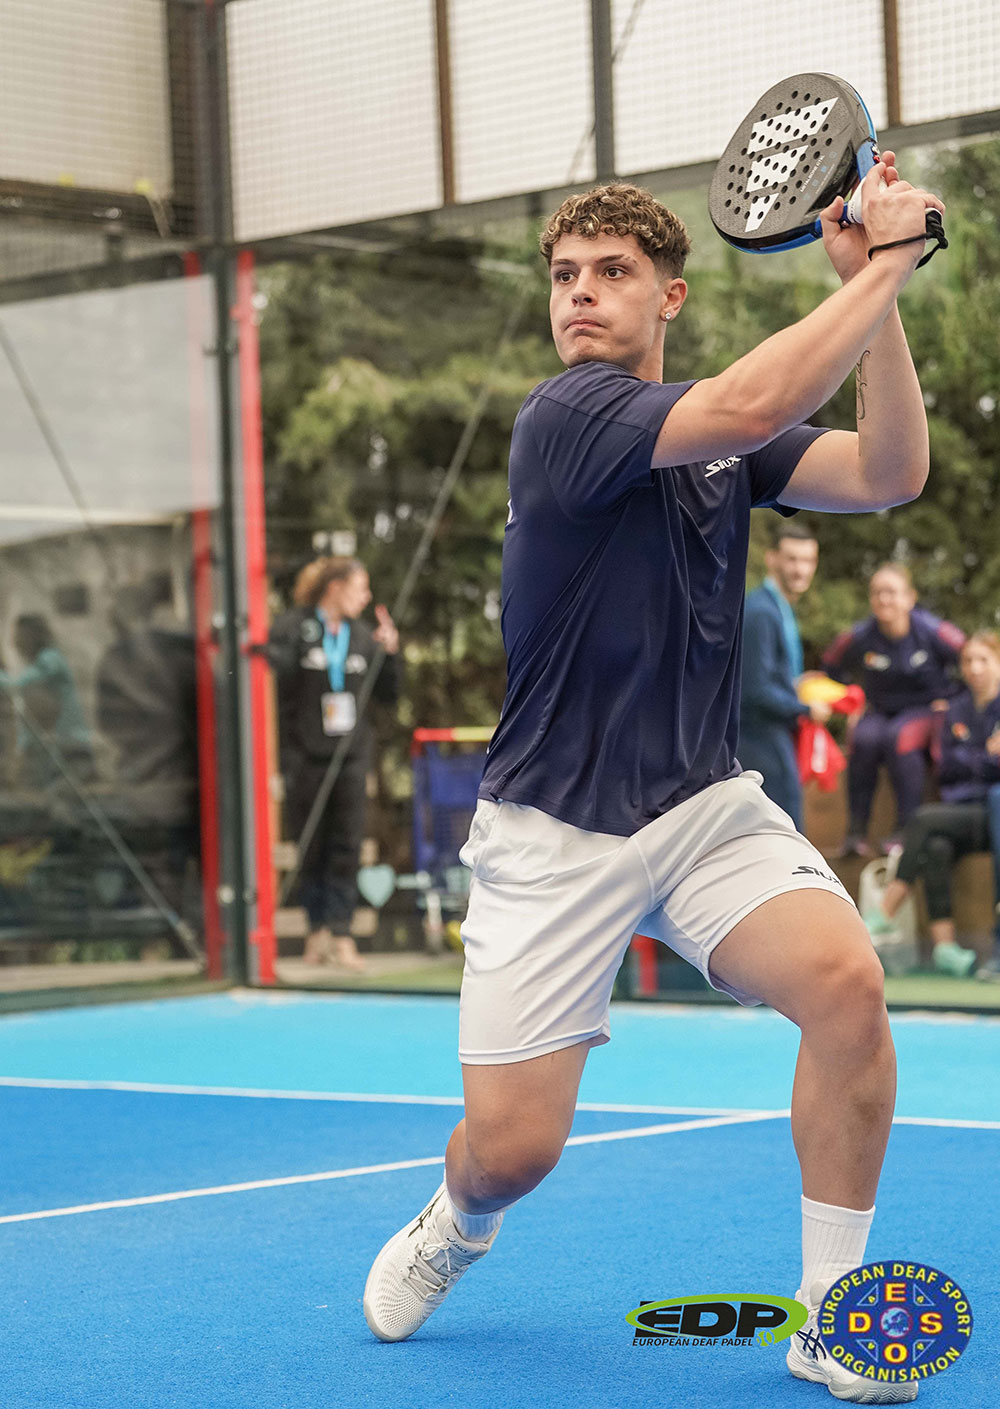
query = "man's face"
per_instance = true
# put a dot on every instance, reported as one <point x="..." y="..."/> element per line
<point x="793" y="564"/>
<point x="607" y="303"/>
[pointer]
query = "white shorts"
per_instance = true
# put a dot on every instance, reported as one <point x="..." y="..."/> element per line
<point x="552" y="908"/>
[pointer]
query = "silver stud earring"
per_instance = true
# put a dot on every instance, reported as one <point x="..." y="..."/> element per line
<point x="666" y="317"/>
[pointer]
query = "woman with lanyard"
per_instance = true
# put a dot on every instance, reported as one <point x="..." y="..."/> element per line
<point x="322" y="653"/>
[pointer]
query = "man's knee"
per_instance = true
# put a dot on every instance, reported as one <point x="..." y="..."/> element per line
<point x="506" y="1163"/>
<point x="848" y="988"/>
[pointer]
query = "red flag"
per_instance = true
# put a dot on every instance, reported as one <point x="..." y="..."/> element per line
<point x="818" y="755"/>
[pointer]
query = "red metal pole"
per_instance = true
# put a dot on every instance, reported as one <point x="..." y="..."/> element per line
<point x="644" y="949"/>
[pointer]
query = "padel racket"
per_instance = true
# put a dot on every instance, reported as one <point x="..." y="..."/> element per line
<point x="809" y="139"/>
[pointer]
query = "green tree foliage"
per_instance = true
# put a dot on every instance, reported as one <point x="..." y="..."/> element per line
<point x="360" y="433"/>
<point x="372" y="365"/>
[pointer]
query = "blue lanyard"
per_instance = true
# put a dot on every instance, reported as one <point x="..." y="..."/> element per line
<point x="789" y="628"/>
<point x="336" y="648"/>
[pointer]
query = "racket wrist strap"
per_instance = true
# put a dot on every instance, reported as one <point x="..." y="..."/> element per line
<point x="940" y="244"/>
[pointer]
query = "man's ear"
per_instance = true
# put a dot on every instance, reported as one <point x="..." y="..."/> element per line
<point x="674" y="294"/>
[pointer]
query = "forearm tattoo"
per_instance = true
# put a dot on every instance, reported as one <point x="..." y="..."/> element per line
<point x="861" y="383"/>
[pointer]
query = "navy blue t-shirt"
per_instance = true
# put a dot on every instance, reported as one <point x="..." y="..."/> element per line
<point x="967" y="770"/>
<point x="907" y="673"/>
<point x="622" y="604"/>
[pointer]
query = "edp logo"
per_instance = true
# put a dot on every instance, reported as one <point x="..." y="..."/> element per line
<point x="717" y="1318"/>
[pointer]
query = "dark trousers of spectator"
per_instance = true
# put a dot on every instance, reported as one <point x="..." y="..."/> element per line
<point x="901" y="743"/>
<point x="328" y="873"/>
<point x="934" y="838"/>
<point x="770" y="751"/>
<point x="993" y="820"/>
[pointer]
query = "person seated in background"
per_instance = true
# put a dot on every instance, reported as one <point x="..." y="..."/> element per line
<point x="990" y="971"/>
<point x="939" y="833"/>
<point x="770" y="709"/>
<point x="903" y="658"/>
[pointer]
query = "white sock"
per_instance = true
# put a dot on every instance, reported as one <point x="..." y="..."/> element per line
<point x="474" y="1227"/>
<point x="833" y="1241"/>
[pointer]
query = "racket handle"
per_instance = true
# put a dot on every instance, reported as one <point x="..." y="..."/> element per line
<point x="934" y="223"/>
<point x="852" y="211"/>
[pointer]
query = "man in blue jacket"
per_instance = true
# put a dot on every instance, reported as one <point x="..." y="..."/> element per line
<point x="772" y="662"/>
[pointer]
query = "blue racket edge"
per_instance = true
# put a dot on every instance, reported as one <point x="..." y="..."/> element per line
<point x="862" y="152"/>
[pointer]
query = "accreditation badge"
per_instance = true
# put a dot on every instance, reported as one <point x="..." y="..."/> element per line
<point x="340" y="712"/>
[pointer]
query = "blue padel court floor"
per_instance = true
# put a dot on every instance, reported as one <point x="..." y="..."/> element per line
<point x="192" y="1191"/>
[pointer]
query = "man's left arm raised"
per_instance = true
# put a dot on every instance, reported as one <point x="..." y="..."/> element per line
<point x="885" y="462"/>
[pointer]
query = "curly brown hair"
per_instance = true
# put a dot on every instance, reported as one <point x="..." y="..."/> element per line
<point x="620" y="209"/>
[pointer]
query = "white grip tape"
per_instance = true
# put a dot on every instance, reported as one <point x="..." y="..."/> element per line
<point x="854" y="205"/>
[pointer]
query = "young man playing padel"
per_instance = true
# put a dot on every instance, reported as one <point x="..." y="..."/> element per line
<point x="612" y="801"/>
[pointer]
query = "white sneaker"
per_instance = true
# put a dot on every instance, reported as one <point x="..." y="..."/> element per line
<point x="416" y="1270"/>
<point x="809" y="1359"/>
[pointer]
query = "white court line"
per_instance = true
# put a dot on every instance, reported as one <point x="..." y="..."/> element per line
<point x="164" y="1089"/>
<point x="160" y="1088"/>
<point x="220" y="1189"/>
<point x="948" y="1123"/>
<point x="742" y="1119"/>
<point x="603" y="1137"/>
<point x="379" y="1098"/>
<point x="637" y="1133"/>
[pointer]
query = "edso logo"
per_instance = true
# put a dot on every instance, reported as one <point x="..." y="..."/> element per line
<point x="895" y="1321"/>
<point x="723" y="1318"/>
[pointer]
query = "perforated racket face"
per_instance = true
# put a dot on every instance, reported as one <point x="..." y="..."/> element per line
<point x="797" y="148"/>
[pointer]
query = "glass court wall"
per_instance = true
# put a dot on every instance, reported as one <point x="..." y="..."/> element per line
<point x="108" y="417"/>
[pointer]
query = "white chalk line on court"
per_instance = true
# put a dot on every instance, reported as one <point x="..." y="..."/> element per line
<point x="675" y="1127"/>
<point x="220" y="1189"/>
<point x="376" y="1098"/>
<point x="946" y="1121"/>
<point x="602" y="1137"/>
<point x="381" y="1098"/>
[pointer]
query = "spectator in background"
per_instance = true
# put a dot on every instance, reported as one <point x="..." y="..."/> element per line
<point x="990" y="971"/>
<point x="938" y="834"/>
<point x="8" y="733"/>
<point x="903" y="658"/>
<point x="146" y="692"/>
<point x="772" y="663"/>
<point x="147" y="708"/>
<point x="322" y="653"/>
<point x="51" y="710"/>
